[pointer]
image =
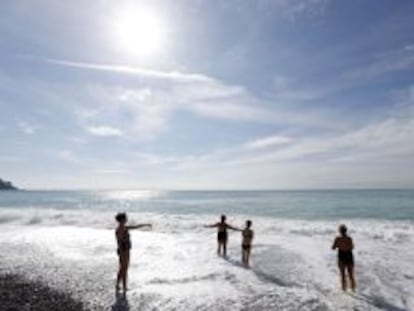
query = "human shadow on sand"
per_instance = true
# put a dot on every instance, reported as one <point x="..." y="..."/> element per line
<point x="378" y="302"/>
<point x="121" y="302"/>
<point x="260" y="274"/>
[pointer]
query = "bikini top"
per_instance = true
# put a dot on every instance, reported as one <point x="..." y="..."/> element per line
<point x="124" y="240"/>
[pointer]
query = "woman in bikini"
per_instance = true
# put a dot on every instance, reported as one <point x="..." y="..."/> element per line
<point x="345" y="246"/>
<point x="222" y="235"/>
<point x="247" y="239"/>
<point x="124" y="246"/>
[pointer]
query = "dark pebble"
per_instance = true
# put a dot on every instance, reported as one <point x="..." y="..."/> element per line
<point x="18" y="294"/>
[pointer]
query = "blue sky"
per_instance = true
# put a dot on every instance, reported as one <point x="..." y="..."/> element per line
<point x="235" y="94"/>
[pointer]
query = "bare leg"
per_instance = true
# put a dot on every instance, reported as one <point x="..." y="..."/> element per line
<point x="225" y="248"/>
<point x="350" y="270"/>
<point x="124" y="269"/>
<point x="343" y="279"/>
<point x="243" y="256"/>
<point x="247" y="257"/>
<point x="118" y="278"/>
<point x="120" y="273"/>
<point x="220" y="247"/>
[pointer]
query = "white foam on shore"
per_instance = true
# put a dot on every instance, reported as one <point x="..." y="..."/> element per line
<point x="174" y="265"/>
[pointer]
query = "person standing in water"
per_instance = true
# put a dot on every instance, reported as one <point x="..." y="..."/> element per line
<point x="345" y="246"/>
<point x="247" y="238"/>
<point x="124" y="247"/>
<point x="222" y="235"/>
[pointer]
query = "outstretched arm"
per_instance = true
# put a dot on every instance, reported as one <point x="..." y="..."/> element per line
<point x="139" y="226"/>
<point x="211" y="226"/>
<point x="234" y="228"/>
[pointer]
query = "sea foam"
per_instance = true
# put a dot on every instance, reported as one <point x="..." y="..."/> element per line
<point x="174" y="266"/>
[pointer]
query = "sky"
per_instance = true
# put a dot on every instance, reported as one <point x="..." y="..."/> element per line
<point x="207" y="94"/>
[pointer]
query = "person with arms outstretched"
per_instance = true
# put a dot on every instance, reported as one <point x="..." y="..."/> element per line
<point x="247" y="239"/>
<point x="222" y="235"/>
<point x="124" y="247"/>
<point x="345" y="246"/>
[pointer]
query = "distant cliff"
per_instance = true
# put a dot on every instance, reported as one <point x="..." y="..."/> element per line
<point x="6" y="185"/>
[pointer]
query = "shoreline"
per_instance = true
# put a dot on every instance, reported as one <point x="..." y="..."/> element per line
<point x="19" y="293"/>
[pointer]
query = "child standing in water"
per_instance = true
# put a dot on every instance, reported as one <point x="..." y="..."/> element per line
<point x="247" y="238"/>
<point x="222" y="235"/>
<point x="345" y="245"/>
<point x="124" y="246"/>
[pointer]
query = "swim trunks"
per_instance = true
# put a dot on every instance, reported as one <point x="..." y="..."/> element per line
<point x="346" y="258"/>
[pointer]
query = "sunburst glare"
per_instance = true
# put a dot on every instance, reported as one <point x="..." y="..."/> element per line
<point x="139" y="31"/>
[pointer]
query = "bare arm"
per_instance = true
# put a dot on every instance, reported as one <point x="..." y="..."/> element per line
<point x="233" y="228"/>
<point x="334" y="245"/>
<point x="139" y="226"/>
<point x="211" y="226"/>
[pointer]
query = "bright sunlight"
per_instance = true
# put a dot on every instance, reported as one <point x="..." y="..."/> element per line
<point x="139" y="31"/>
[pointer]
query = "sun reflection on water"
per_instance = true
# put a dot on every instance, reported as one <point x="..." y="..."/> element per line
<point x="133" y="195"/>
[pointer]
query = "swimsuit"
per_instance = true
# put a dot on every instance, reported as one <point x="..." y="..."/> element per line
<point x="246" y="247"/>
<point x="222" y="236"/>
<point x="247" y="239"/>
<point x="124" y="244"/>
<point x="345" y="258"/>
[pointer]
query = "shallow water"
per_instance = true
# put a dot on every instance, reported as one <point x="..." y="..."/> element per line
<point x="174" y="265"/>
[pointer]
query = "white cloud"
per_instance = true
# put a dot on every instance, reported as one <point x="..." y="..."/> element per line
<point x="147" y="112"/>
<point x="231" y="110"/>
<point x="206" y="95"/>
<point x="138" y="71"/>
<point x="104" y="131"/>
<point x="396" y="60"/>
<point x="28" y="129"/>
<point x="266" y="142"/>
<point x="220" y="101"/>
<point x="381" y="141"/>
<point x="291" y="9"/>
<point x="299" y="8"/>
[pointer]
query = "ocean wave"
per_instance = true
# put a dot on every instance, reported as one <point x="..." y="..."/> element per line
<point x="174" y="265"/>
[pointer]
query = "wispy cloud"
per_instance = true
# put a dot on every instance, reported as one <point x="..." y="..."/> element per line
<point x="393" y="61"/>
<point x="266" y="142"/>
<point x="382" y="65"/>
<point x="152" y="107"/>
<point x="104" y="131"/>
<point x="28" y="129"/>
<point x="138" y="71"/>
<point x="298" y="8"/>
<point x="290" y="9"/>
<point x="379" y="141"/>
<point x="147" y="112"/>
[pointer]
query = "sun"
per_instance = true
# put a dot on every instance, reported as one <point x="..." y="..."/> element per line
<point x="139" y="31"/>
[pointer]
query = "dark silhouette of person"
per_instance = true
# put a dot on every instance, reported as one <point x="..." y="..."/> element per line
<point x="345" y="245"/>
<point x="124" y="247"/>
<point x="247" y="239"/>
<point x="222" y="234"/>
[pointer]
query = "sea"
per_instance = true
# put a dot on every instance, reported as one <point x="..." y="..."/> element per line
<point x="66" y="240"/>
